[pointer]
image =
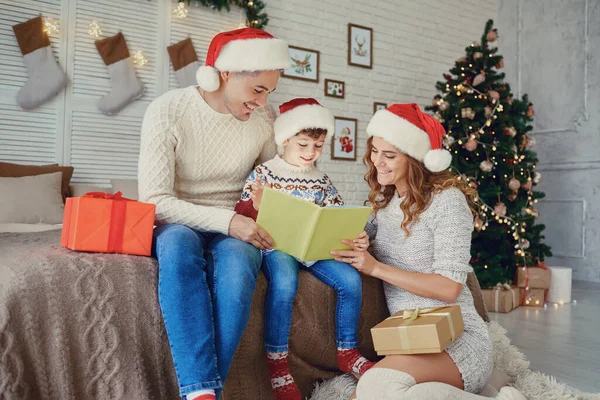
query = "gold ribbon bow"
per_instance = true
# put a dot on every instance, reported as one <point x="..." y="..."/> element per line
<point x="497" y="289"/>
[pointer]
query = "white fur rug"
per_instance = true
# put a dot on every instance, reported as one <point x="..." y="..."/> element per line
<point x="507" y="358"/>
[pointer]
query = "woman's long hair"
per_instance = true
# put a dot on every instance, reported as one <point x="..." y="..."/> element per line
<point x="422" y="185"/>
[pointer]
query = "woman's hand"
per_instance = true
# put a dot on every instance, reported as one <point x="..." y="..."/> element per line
<point x="361" y="243"/>
<point x="362" y="260"/>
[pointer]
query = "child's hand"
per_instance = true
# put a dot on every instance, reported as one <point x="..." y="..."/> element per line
<point x="256" y="194"/>
<point x="361" y="243"/>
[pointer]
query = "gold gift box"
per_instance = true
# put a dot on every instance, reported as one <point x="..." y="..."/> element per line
<point x="418" y="331"/>
<point x="502" y="298"/>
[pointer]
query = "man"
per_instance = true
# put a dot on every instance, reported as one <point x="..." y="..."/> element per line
<point x="198" y="145"/>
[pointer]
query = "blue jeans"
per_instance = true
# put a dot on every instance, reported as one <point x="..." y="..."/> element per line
<point x="281" y="271"/>
<point x="205" y="287"/>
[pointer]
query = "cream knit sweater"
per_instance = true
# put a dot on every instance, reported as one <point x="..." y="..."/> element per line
<point x="194" y="161"/>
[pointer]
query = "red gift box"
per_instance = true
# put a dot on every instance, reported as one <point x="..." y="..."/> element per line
<point x="108" y="223"/>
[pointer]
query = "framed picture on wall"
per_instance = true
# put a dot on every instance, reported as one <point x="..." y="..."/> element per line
<point x="305" y="64"/>
<point x="360" y="46"/>
<point x="343" y="143"/>
<point x="335" y="88"/>
<point x="379" y="106"/>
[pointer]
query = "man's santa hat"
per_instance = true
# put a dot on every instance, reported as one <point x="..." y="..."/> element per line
<point x="412" y="132"/>
<point x="246" y="49"/>
<point x="300" y="114"/>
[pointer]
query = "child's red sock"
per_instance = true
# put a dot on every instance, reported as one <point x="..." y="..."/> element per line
<point x="208" y="394"/>
<point x="350" y="360"/>
<point x="282" y="381"/>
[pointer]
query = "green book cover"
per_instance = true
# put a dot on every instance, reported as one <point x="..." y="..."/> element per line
<point x="305" y="230"/>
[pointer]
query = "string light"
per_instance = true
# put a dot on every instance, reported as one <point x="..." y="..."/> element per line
<point x="94" y="29"/>
<point x="180" y="11"/>
<point x="139" y="58"/>
<point x="51" y="26"/>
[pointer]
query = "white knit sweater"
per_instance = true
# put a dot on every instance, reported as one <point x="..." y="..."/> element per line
<point x="194" y="161"/>
<point x="439" y="243"/>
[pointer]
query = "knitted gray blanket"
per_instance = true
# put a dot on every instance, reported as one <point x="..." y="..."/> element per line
<point x="77" y="325"/>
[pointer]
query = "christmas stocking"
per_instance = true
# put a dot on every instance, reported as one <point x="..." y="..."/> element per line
<point x="125" y="85"/>
<point x="185" y="62"/>
<point x="46" y="78"/>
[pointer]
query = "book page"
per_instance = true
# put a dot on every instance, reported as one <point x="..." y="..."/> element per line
<point x="335" y="224"/>
<point x="289" y="220"/>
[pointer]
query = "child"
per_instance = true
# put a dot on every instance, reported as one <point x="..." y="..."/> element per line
<point x="302" y="129"/>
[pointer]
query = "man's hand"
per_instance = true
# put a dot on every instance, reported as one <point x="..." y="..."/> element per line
<point x="245" y="229"/>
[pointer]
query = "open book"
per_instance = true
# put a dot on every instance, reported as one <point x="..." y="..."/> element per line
<point x="305" y="230"/>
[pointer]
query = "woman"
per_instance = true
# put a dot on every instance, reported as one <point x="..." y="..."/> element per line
<point x="421" y="237"/>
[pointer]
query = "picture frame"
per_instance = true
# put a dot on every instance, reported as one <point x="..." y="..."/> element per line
<point x="360" y="46"/>
<point x="305" y="64"/>
<point x="343" y="142"/>
<point x="379" y="106"/>
<point x="336" y="89"/>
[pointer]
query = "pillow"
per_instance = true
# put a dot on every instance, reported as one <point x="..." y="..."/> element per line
<point x="473" y="285"/>
<point x="17" y="170"/>
<point x="79" y="189"/>
<point x="129" y="187"/>
<point x="31" y="199"/>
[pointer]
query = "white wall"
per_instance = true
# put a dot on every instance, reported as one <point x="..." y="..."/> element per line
<point x="552" y="53"/>
<point x="414" y="43"/>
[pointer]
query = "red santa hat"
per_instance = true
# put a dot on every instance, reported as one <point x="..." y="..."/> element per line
<point x="246" y="49"/>
<point x="412" y="132"/>
<point x="300" y="114"/>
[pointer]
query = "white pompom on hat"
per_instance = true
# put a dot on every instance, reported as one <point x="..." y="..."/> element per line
<point x="412" y="132"/>
<point x="246" y="49"/>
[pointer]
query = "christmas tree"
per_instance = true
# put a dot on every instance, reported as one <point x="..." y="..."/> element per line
<point x="487" y="134"/>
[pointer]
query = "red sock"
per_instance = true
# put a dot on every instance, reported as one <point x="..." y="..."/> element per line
<point x="350" y="360"/>
<point x="205" y="397"/>
<point x="282" y="381"/>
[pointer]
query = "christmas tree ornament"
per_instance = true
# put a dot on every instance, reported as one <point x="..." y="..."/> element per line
<point x="500" y="209"/>
<point x="185" y="62"/>
<point x="448" y="140"/>
<point x="478" y="223"/>
<point x="514" y="184"/>
<point x="125" y="85"/>
<point x="462" y="60"/>
<point x="512" y="196"/>
<point x="494" y="95"/>
<point x="46" y="78"/>
<point x="479" y="79"/>
<point x="510" y="131"/>
<point x="527" y="185"/>
<point x="486" y="165"/>
<point x="537" y="177"/>
<point x="488" y="112"/>
<point x="444" y="105"/>
<point x="473" y="184"/>
<point x="530" y="113"/>
<point x="500" y="64"/>
<point x="467" y="113"/>
<point x="525" y="244"/>
<point x="439" y="117"/>
<point x="477" y="55"/>
<point x="471" y="145"/>
<point x="491" y="36"/>
<point x="535" y="213"/>
<point x="448" y="77"/>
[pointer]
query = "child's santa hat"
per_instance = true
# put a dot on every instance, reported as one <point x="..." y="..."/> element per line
<point x="300" y="114"/>
<point x="246" y="49"/>
<point x="413" y="132"/>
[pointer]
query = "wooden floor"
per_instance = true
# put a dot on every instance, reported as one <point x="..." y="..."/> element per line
<point x="561" y="340"/>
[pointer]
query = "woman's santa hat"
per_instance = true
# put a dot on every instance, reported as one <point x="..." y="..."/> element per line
<point x="300" y="114"/>
<point x="241" y="50"/>
<point x="412" y="132"/>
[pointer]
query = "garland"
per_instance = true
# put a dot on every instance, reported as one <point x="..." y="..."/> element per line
<point x="255" y="15"/>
